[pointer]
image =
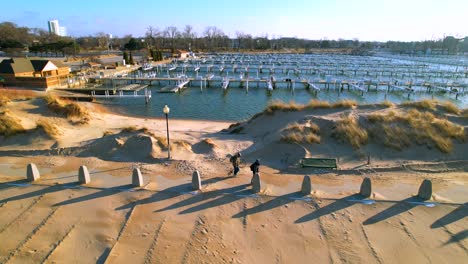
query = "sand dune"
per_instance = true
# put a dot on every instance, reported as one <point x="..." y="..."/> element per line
<point x="55" y="220"/>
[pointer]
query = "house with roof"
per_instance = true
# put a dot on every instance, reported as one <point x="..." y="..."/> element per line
<point x="34" y="73"/>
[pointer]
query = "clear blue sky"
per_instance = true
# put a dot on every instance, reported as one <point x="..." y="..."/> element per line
<point x="380" y="20"/>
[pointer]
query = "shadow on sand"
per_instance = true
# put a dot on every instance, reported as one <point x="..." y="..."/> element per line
<point x="396" y="209"/>
<point x="269" y="205"/>
<point x="457" y="214"/>
<point x="331" y="208"/>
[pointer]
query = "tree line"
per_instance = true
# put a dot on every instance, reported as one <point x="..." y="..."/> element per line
<point x="169" y="39"/>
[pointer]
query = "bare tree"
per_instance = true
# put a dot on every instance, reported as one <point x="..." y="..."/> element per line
<point x="189" y="34"/>
<point x="172" y="33"/>
<point x="102" y="39"/>
<point x="151" y="34"/>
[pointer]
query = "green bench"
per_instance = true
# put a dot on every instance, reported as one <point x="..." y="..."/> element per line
<point x="319" y="163"/>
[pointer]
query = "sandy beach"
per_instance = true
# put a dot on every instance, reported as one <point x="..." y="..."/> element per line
<point x="57" y="220"/>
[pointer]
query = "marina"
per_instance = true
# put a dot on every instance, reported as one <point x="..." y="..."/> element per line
<point x="250" y="81"/>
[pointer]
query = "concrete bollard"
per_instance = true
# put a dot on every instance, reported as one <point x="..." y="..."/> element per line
<point x="306" y="188"/>
<point x="256" y="184"/>
<point x="196" y="181"/>
<point x="83" y="175"/>
<point x="32" y="173"/>
<point x="366" y="187"/>
<point x="425" y="190"/>
<point x="137" y="178"/>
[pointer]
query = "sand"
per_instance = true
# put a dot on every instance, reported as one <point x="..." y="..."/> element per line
<point x="54" y="220"/>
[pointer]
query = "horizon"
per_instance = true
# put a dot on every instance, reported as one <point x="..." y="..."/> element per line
<point x="365" y="20"/>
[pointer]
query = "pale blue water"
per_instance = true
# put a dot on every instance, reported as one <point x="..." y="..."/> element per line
<point x="237" y="105"/>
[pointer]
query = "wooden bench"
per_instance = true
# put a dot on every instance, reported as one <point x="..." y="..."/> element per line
<point x="319" y="163"/>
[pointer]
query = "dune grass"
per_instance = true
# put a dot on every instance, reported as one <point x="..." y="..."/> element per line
<point x="386" y="103"/>
<point x="209" y="142"/>
<point x="296" y="133"/>
<point x="429" y="105"/>
<point x="316" y="104"/>
<point x="107" y="133"/>
<point x="401" y="130"/>
<point x="50" y="129"/>
<point x="347" y="129"/>
<point x="282" y="106"/>
<point x="10" y="125"/>
<point x="130" y="129"/>
<point x="346" y="103"/>
<point x="450" y="107"/>
<point x="8" y="95"/>
<point x="73" y="111"/>
<point x="4" y="100"/>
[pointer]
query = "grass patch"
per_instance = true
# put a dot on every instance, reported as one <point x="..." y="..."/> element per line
<point x="130" y="129"/>
<point x="282" y="106"/>
<point x="316" y="104"/>
<point x="429" y="105"/>
<point x="10" y="125"/>
<point x="50" y="129"/>
<point x="386" y="104"/>
<point x="344" y="104"/>
<point x="107" y="133"/>
<point x="401" y="130"/>
<point x="296" y="133"/>
<point x="348" y="130"/>
<point x="17" y="94"/>
<point x="73" y="111"/>
<point x="4" y="100"/>
<point x="450" y="107"/>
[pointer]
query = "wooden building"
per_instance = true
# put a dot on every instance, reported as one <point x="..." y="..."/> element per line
<point x="34" y="73"/>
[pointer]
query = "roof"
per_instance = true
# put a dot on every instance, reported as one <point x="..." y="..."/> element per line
<point x="19" y="65"/>
<point x="181" y="51"/>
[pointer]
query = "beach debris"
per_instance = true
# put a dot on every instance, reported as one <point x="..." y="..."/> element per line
<point x="306" y="188"/>
<point x="366" y="187"/>
<point x="32" y="173"/>
<point x="83" y="175"/>
<point x="425" y="190"/>
<point x="256" y="185"/>
<point x="137" y="178"/>
<point x="196" y="180"/>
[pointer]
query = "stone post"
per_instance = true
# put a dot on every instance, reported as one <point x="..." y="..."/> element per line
<point x="306" y="188"/>
<point x="196" y="181"/>
<point x="425" y="190"/>
<point x="366" y="187"/>
<point x="83" y="175"/>
<point x="256" y="184"/>
<point x="137" y="178"/>
<point x="32" y="173"/>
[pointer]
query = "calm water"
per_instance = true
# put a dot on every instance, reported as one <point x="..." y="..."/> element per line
<point x="237" y="105"/>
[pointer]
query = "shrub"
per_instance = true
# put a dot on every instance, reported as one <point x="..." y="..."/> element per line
<point x="344" y="104"/>
<point x="50" y="129"/>
<point x="348" y="130"/>
<point x="422" y="105"/>
<point x="10" y="125"/>
<point x="296" y="133"/>
<point x="449" y="107"/>
<point x="316" y="104"/>
<point x="71" y="110"/>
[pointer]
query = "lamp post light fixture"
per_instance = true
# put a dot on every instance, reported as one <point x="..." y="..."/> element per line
<point x="166" y="110"/>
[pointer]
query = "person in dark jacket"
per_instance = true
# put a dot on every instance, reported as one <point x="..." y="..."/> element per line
<point x="235" y="160"/>
<point x="254" y="167"/>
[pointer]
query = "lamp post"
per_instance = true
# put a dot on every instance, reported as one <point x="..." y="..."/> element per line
<point x="166" y="110"/>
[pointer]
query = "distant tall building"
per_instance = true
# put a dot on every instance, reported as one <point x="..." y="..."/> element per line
<point x="54" y="28"/>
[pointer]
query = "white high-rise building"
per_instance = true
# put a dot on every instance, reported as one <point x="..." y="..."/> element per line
<point x="54" y="28"/>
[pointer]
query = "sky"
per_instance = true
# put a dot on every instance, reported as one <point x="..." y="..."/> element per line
<point x="366" y="20"/>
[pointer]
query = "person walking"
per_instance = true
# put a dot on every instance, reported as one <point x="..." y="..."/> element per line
<point x="235" y="160"/>
<point x="255" y="167"/>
